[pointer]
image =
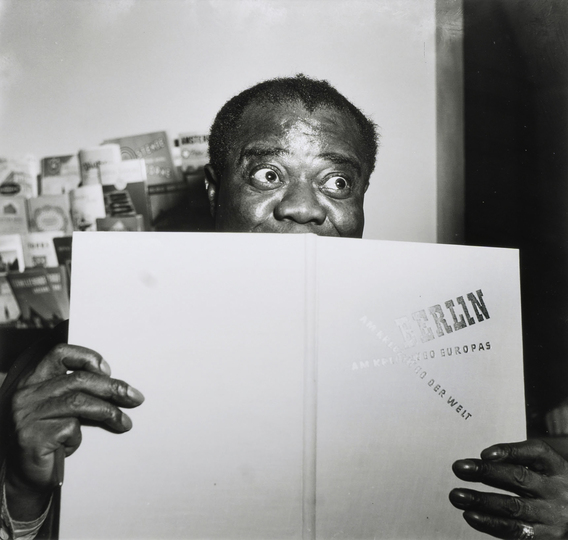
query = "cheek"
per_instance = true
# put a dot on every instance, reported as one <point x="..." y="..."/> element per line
<point x="348" y="219"/>
<point x="256" y="209"/>
<point x="247" y="207"/>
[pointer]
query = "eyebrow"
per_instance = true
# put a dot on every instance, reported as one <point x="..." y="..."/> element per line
<point x="261" y="151"/>
<point x="341" y="159"/>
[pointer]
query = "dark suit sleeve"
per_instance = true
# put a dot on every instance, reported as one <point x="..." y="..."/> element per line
<point x="23" y="365"/>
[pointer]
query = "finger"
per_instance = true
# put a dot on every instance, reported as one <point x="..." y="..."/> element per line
<point x="117" y="391"/>
<point x="42" y="446"/>
<point x="63" y="358"/>
<point x="508" y="529"/>
<point x="535" y="454"/>
<point x="84" y="407"/>
<point x="556" y="421"/>
<point x="526" y="510"/>
<point x="515" y="478"/>
<point x="44" y="437"/>
<point x="73" y="440"/>
<point x="552" y="423"/>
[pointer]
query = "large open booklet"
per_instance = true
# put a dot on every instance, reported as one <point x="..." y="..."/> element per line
<point x="296" y="386"/>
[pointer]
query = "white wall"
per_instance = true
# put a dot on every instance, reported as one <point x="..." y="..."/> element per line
<point x="75" y="72"/>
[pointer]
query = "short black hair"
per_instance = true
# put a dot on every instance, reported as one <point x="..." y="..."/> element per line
<point x="311" y="93"/>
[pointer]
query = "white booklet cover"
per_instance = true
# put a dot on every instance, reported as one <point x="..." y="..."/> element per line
<point x="296" y="386"/>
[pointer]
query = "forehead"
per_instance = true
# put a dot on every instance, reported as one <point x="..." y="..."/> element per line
<point x="292" y="126"/>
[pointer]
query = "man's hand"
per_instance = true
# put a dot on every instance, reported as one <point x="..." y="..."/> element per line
<point x="534" y="472"/>
<point x="69" y="387"/>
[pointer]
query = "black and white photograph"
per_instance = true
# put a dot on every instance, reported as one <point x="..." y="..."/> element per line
<point x="388" y="360"/>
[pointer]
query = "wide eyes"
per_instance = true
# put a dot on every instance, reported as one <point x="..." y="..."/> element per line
<point x="265" y="178"/>
<point x="336" y="186"/>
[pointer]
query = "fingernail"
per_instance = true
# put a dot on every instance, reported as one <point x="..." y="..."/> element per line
<point x="134" y="395"/>
<point x="461" y="499"/>
<point x="493" y="453"/>
<point x="105" y="368"/>
<point x="126" y="422"/>
<point x="473" y="518"/>
<point x="465" y="467"/>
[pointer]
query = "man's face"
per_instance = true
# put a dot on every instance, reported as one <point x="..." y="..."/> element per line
<point x="291" y="171"/>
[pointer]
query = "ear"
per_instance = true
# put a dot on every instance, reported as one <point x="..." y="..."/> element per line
<point x="212" y="187"/>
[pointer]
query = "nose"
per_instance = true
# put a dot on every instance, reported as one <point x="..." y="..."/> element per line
<point x="300" y="204"/>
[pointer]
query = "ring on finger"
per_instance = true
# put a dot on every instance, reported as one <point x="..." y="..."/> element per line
<point x="527" y="533"/>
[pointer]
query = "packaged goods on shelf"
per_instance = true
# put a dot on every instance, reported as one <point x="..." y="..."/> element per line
<point x="11" y="253"/>
<point x="118" y="202"/>
<point x="166" y="189"/>
<point x="13" y="215"/>
<point x="19" y="176"/>
<point x="129" y="170"/>
<point x="59" y="282"/>
<point x="129" y="195"/>
<point x="87" y="204"/>
<point x="194" y="151"/>
<point x="59" y="174"/>
<point x="50" y="213"/>
<point x="39" y="249"/>
<point x="117" y="224"/>
<point x="63" y="250"/>
<point x="38" y="301"/>
<point x="99" y="165"/>
<point x="9" y="308"/>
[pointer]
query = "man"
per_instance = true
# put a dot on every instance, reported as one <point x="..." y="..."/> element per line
<point x="292" y="156"/>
